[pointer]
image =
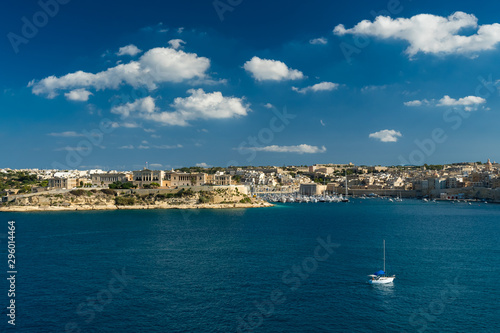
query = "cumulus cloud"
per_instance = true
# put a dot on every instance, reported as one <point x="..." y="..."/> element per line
<point x="416" y="102"/>
<point x="154" y="67"/>
<point x="130" y="50"/>
<point x="323" y="86"/>
<point x="386" y="135"/>
<point x="199" y="105"/>
<point x="143" y="105"/>
<point x="176" y="43"/>
<point x="318" y="41"/>
<point x="203" y="165"/>
<point x="465" y="101"/>
<point x="430" y="33"/>
<point x="271" y="70"/>
<point x="469" y="103"/>
<point x="268" y="106"/>
<point x="79" y="95"/>
<point x="299" y="149"/>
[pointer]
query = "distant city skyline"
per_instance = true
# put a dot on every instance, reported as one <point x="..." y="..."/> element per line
<point x="91" y="85"/>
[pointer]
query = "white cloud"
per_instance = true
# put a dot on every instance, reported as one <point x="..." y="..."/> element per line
<point x="203" y="165"/>
<point x="129" y="125"/>
<point x="156" y="66"/>
<point x="176" y="43"/>
<point x="300" y="149"/>
<point x="271" y="70"/>
<point x="318" y="41"/>
<point x="386" y="135"/>
<point x="470" y="103"/>
<point x="465" y="101"/>
<point x="322" y="123"/>
<point x="430" y="33"/>
<point x="156" y="165"/>
<point x="323" y="86"/>
<point x="416" y="103"/>
<point x="126" y="147"/>
<point x="80" y="95"/>
<point x="68" y="134"/>
<point x="143" y="105"/>
<point x="268" y="106"/>
<point x="200" y="105"/>
<point x="130" y="50"/>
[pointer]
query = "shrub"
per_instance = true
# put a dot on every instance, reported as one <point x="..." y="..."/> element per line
<point x="120" y="185"/>
<point x="186" y="193"/>
<point x="108" y="191"/>
<point x="123" y="201"/>
<point x="204" y="199"/>
<point x="78" y="193"/>
<point x="246" y="200"/>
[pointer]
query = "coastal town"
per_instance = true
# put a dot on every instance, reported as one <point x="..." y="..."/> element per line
<point x="458" y="181"/>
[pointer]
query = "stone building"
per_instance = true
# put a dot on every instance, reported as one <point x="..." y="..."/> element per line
<point x="104" y="179"/>
<point x="146" y="177"/>
<point x="174" y="179"/>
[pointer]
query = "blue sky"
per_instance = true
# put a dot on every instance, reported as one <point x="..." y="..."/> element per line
<point x="87" y="84"/>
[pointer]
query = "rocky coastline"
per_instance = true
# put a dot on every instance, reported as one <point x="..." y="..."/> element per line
<point x="88" y="200"/>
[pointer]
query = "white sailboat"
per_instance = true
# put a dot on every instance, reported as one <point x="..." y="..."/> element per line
<point x="380" y="277"/>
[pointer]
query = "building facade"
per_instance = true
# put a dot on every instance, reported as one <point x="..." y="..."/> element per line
<point x="312" y="189"/>
<point x="66" y="183"/>
<point x="147" y="177"/>
<point x="104" y="179"/>
<point x="219" y="179"/>
<point x="174" y="179"/>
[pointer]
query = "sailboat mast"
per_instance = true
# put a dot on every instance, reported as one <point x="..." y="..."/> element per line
<point x="346" y="193"/>
<point x="384" y="255"/>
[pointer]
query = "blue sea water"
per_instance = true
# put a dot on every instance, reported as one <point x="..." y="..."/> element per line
<point x="258" y="270"/>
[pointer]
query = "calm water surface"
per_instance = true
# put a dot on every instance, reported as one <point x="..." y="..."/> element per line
<point x="255" y="269"/>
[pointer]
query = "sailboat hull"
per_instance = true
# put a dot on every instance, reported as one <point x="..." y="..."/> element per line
<point x="382" y="280"/>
